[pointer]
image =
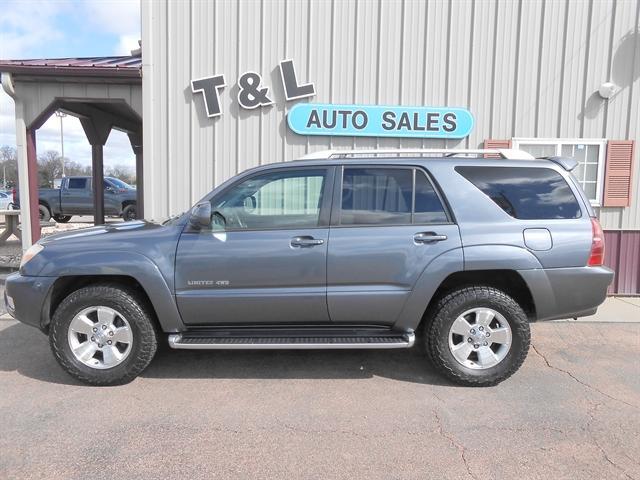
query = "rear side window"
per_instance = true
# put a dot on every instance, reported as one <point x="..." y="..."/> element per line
<point x="428" y="207"/>
<point x="386" y="196"/>
<point x="77" y="183"/>
<point x="527" y="193"/>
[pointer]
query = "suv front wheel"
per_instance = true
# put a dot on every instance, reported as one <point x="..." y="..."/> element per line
<point x="477" y="336"/>
<point x="103" y="335"/>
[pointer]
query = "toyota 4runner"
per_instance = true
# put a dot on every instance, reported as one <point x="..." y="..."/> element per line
<point x="339" y="251"/>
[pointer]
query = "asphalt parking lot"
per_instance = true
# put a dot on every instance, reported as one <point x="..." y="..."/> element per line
<point x="570" y="412"/>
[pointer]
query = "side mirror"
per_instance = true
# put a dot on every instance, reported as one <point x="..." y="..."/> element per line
<point x="200" y="216"/>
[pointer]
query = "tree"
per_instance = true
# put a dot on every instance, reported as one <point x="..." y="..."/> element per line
<point x="8" y="167"/>
<point x="49" y="168"/>
<point x="72" y="168"/>
<point x="123" y="172"/>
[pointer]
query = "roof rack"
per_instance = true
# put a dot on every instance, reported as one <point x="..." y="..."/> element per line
<point x="506" y="153"/>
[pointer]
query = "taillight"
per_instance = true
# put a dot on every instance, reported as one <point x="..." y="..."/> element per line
<point x="13" y="193"/>
<point x="596" y="258"/>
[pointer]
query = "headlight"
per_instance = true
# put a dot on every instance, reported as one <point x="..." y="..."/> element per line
<point x="31" y="252"/>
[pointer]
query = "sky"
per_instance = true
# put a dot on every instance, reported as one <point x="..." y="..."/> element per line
<point x="67" y="28"/>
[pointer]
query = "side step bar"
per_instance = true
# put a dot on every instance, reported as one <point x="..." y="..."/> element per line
<point x="300" y="342"/>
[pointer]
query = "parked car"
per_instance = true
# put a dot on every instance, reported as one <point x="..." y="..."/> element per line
<point x="75" y="197"/>
<point x="5" y="201"/>
<point x="328" y="253"/>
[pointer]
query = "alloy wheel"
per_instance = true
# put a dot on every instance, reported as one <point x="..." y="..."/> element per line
<point x="480" y="338"/>
<point x="100" y="337"/>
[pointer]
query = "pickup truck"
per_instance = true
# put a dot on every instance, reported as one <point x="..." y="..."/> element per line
<point x="75" y="197"/>
<point x="457" y="254"/>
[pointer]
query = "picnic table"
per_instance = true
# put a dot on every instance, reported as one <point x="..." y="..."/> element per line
<point x="11" y="220"/>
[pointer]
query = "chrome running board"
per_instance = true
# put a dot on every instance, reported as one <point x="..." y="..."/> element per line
<point x="297" y="342"/>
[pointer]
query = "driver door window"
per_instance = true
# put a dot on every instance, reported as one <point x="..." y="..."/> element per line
<point x="278" y="200"/>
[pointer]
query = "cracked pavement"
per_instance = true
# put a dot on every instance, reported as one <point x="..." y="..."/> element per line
<point x="570" y="412"/>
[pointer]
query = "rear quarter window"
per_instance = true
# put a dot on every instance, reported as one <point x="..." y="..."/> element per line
<point x="79" y="183"/>
<point x="525" y="193"/>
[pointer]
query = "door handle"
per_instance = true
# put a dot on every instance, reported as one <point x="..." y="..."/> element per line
<point x="428" y="237"/>
<point x="305" y="241"/>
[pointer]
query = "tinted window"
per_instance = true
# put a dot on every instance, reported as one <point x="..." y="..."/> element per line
<point x="77" y="183"/>
<point x="373" y="196"/>
<point x="428" y="208"/>
<point x="525" y="193"/>
<point x="283" y="199"/>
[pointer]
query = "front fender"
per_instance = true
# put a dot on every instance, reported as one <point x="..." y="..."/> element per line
<point x="106" y="263"/>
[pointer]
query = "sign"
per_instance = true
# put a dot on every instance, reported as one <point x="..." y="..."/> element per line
<point x="251" y="92"/>
<point x="379" y="121"/>
<point x="336" y="120"/>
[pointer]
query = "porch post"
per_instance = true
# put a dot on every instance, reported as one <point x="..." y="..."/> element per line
<point x="136" y="145"/>
<point x="97" y="170"/>
<point x="32" y="169"/>
<point x="97" y="129"/>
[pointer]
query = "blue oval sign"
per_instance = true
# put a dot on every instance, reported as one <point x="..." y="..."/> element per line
<point x="379" y="121"/>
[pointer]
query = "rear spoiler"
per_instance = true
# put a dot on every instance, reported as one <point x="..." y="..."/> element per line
<point x="567" y="163"/>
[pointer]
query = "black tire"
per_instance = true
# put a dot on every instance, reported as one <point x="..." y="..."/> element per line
<point x="129" y="213"/>
<point x="62" y="218"/>
<point x="45" y="214"/>
<point x="144" y="344"/>
<point x="453" y="305"/>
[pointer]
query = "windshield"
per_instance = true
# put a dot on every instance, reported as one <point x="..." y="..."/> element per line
<point x="120" y="184"/>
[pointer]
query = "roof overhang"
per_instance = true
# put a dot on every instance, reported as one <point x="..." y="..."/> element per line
<point x="129" y="73"/>
<point x="127" y="68"/>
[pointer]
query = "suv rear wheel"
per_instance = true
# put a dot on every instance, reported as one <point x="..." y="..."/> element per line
<point x="103" y="335"/>
<point x="477" y="336"/>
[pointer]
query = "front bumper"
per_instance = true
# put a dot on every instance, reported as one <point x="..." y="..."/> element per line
<point x="26" y="298"/>
<point x="567" y="292"/>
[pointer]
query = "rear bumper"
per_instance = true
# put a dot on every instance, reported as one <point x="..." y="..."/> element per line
<point x="567" y="292"/>
<point x="25" y="298"/>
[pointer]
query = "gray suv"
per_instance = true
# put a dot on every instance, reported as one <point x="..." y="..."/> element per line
<point x="352" y="251"/>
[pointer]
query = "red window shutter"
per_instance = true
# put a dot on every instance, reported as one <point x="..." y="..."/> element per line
<point x="490" y="144"/>
<point x="618" y="173"/>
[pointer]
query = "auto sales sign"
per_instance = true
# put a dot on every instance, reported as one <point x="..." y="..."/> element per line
<point x="379" y="121"/>
<point x="333" y="119"/>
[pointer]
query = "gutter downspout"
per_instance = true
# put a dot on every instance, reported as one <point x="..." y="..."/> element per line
<point x="23" y="165"/>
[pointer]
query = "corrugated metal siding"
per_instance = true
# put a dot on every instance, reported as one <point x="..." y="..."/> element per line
<point x="527" y="68"/>
<point x="622" y="254"/>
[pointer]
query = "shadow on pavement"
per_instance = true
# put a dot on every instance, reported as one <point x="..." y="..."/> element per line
<point x="26" y="350"/>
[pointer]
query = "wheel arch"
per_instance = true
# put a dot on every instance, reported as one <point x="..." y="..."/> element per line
<point x="65" y="286"/>
<point x="132" y="270"/>
<point x="507" y="281"/>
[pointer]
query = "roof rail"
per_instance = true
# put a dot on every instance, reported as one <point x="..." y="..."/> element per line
<point x="506" y="153"/>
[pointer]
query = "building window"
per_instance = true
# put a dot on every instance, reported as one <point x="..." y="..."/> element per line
<point x="590" y="154"/>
